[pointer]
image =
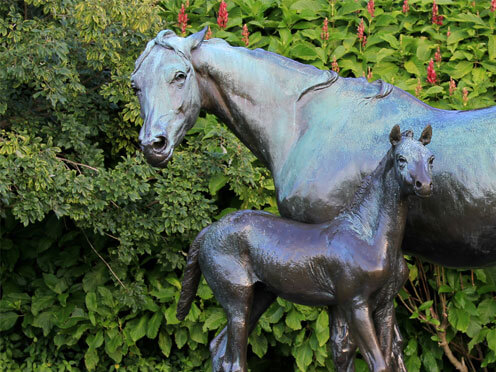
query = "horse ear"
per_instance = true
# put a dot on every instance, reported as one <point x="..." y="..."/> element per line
<point x="196" y="39"/>
<point x="426" y="135"/>
<point x="395" y="135"/>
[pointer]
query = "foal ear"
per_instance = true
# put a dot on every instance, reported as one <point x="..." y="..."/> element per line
<point x="426" y="135"/>
<point x="395" y="135"/>
<point x="196" y="39"/>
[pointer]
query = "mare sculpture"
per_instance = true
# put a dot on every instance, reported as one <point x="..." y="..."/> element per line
<point x="353" y="264"/>
<point x="320" y="134"/>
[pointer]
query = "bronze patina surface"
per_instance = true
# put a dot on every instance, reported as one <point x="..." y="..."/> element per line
<point x="320" y="134"/>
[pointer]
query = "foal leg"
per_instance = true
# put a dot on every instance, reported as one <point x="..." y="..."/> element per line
<point x="364" y="334"/>
<point x="385" y="321"/>
<point x="262" y="299"/>
<point x="342" y="346"/>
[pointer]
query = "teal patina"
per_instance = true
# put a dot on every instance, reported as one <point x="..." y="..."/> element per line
<point x="320" y="134"/>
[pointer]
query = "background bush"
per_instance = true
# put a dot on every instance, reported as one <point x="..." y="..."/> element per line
<point x="93" y="240"/>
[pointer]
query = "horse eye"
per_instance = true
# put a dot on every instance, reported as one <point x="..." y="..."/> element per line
<point x="401" y="162"/>
<point x="431" y="160"/>
<point x="180" y="77"/>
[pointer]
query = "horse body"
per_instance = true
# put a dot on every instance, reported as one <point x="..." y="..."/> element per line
<point x="352" y="264"/>
<point x="320" y="135"/>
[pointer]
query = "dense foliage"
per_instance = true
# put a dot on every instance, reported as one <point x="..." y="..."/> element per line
<point x="93" y="240"/>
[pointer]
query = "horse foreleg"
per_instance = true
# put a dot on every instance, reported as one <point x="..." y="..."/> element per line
<point x="397" y="361"/>
<point x="342" y="346"/>
<point x="364" y="334"/>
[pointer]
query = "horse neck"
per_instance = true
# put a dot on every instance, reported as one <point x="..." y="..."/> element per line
<point x="254" y="94"/>
<point x="378" y="212"/>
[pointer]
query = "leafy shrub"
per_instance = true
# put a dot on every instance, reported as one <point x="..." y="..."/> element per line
<point x="93" y="240"/>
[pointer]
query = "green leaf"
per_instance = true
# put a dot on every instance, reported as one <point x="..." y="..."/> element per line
<point x="305" y="51"/>
<point x="196" y="333"/>
<point x="303" y="355"/>
<point x="462" y="69"/>
<point x="491" y="339"/>
<point x="322" y="328"/>
<point x="7" y="320"/>
<point x="181" y="337"/>
<point x="293" y="320"/>
<point x="58" y="285"/>
<point x="217" y="182"/>
<point x="138" y="329"/>
<point x="91" y="302"/>
<point x="491" y="46"/>
<point x="91" y="359"/>
<point x="214" y="320"/>
<point x="165" y="343"/>
<point x="258" y="344"/>
<point x="412" y="68"/>
<point x="96" y="340"/>
<point x="154" y="325"/>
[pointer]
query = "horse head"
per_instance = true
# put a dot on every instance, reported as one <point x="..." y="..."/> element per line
<point x="165" y="82"/>
<point x="412" y="161"/>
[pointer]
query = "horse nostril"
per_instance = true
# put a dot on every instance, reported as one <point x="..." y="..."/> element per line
<point x="418" y="184"/>
<point x="160" y="144"/>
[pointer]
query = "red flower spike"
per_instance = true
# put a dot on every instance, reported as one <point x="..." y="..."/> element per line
<point x="431" y="73"/>
<point x="465" y="96"/>
<point x="182" y="19"/>
<point x="437" y="56"/>
<point x="369" y="74"/>
<point x="324" y="35"/>
<point x="223" y="15"/>
<point x="360" y="30"/>
<point x="208" y="35"/>
<point x="452" y="86"/>
<point x="493" y="5"/>
<point x="371" y="8"/>
<point x="436" y="18"/>
<point x="448" y="34"/>
<point x="334" y="64"/>
<point x="245" y="34"/>
<point x="364" y="41"/>
<point x="406" y="7"/>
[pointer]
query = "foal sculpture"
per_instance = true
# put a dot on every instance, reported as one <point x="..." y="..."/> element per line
<point x="353" y="264"/>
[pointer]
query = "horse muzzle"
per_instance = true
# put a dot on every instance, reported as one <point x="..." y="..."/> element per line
<point x="158" y="151"/>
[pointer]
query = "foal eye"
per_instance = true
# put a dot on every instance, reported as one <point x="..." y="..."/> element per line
<point x="401" y="162"/>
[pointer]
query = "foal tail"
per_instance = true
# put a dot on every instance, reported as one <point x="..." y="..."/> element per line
<point x="191" y="279"/>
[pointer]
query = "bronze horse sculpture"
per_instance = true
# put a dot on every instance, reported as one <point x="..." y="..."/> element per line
<point x="352" y="264"/>
<point x="319" y="134"/>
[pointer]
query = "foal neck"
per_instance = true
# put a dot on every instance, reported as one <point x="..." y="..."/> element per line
<point x="378" y="211"/>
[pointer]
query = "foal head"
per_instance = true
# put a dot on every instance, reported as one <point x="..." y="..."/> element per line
<point x="412" y="161"/>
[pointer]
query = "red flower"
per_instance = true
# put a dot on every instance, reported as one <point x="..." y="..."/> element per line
<point x="208" y="35"/>
<point x="364" y="41"/>
<point x="223" y="15"/>
<point x="437" y="56"/>
<point x="406" y="7"/>
<point x="431" y="73"/>
<point x="360" y="30"/>
<point x="245" y="34"/>
<point x="370" y="8"/>
<point x="182" y="19"/>
<point x="493" y="5"/>
<point x="334" y="64"/>
<point x="448" y="33"/>
<point x="436" y="18"/>
<point x="324" y="35"/>
<point x="452" y="86"/>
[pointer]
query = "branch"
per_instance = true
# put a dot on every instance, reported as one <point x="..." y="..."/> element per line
<point x="105" y="262"/>
<point x="444" y="344"/>
<point x="76" y="163"/>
